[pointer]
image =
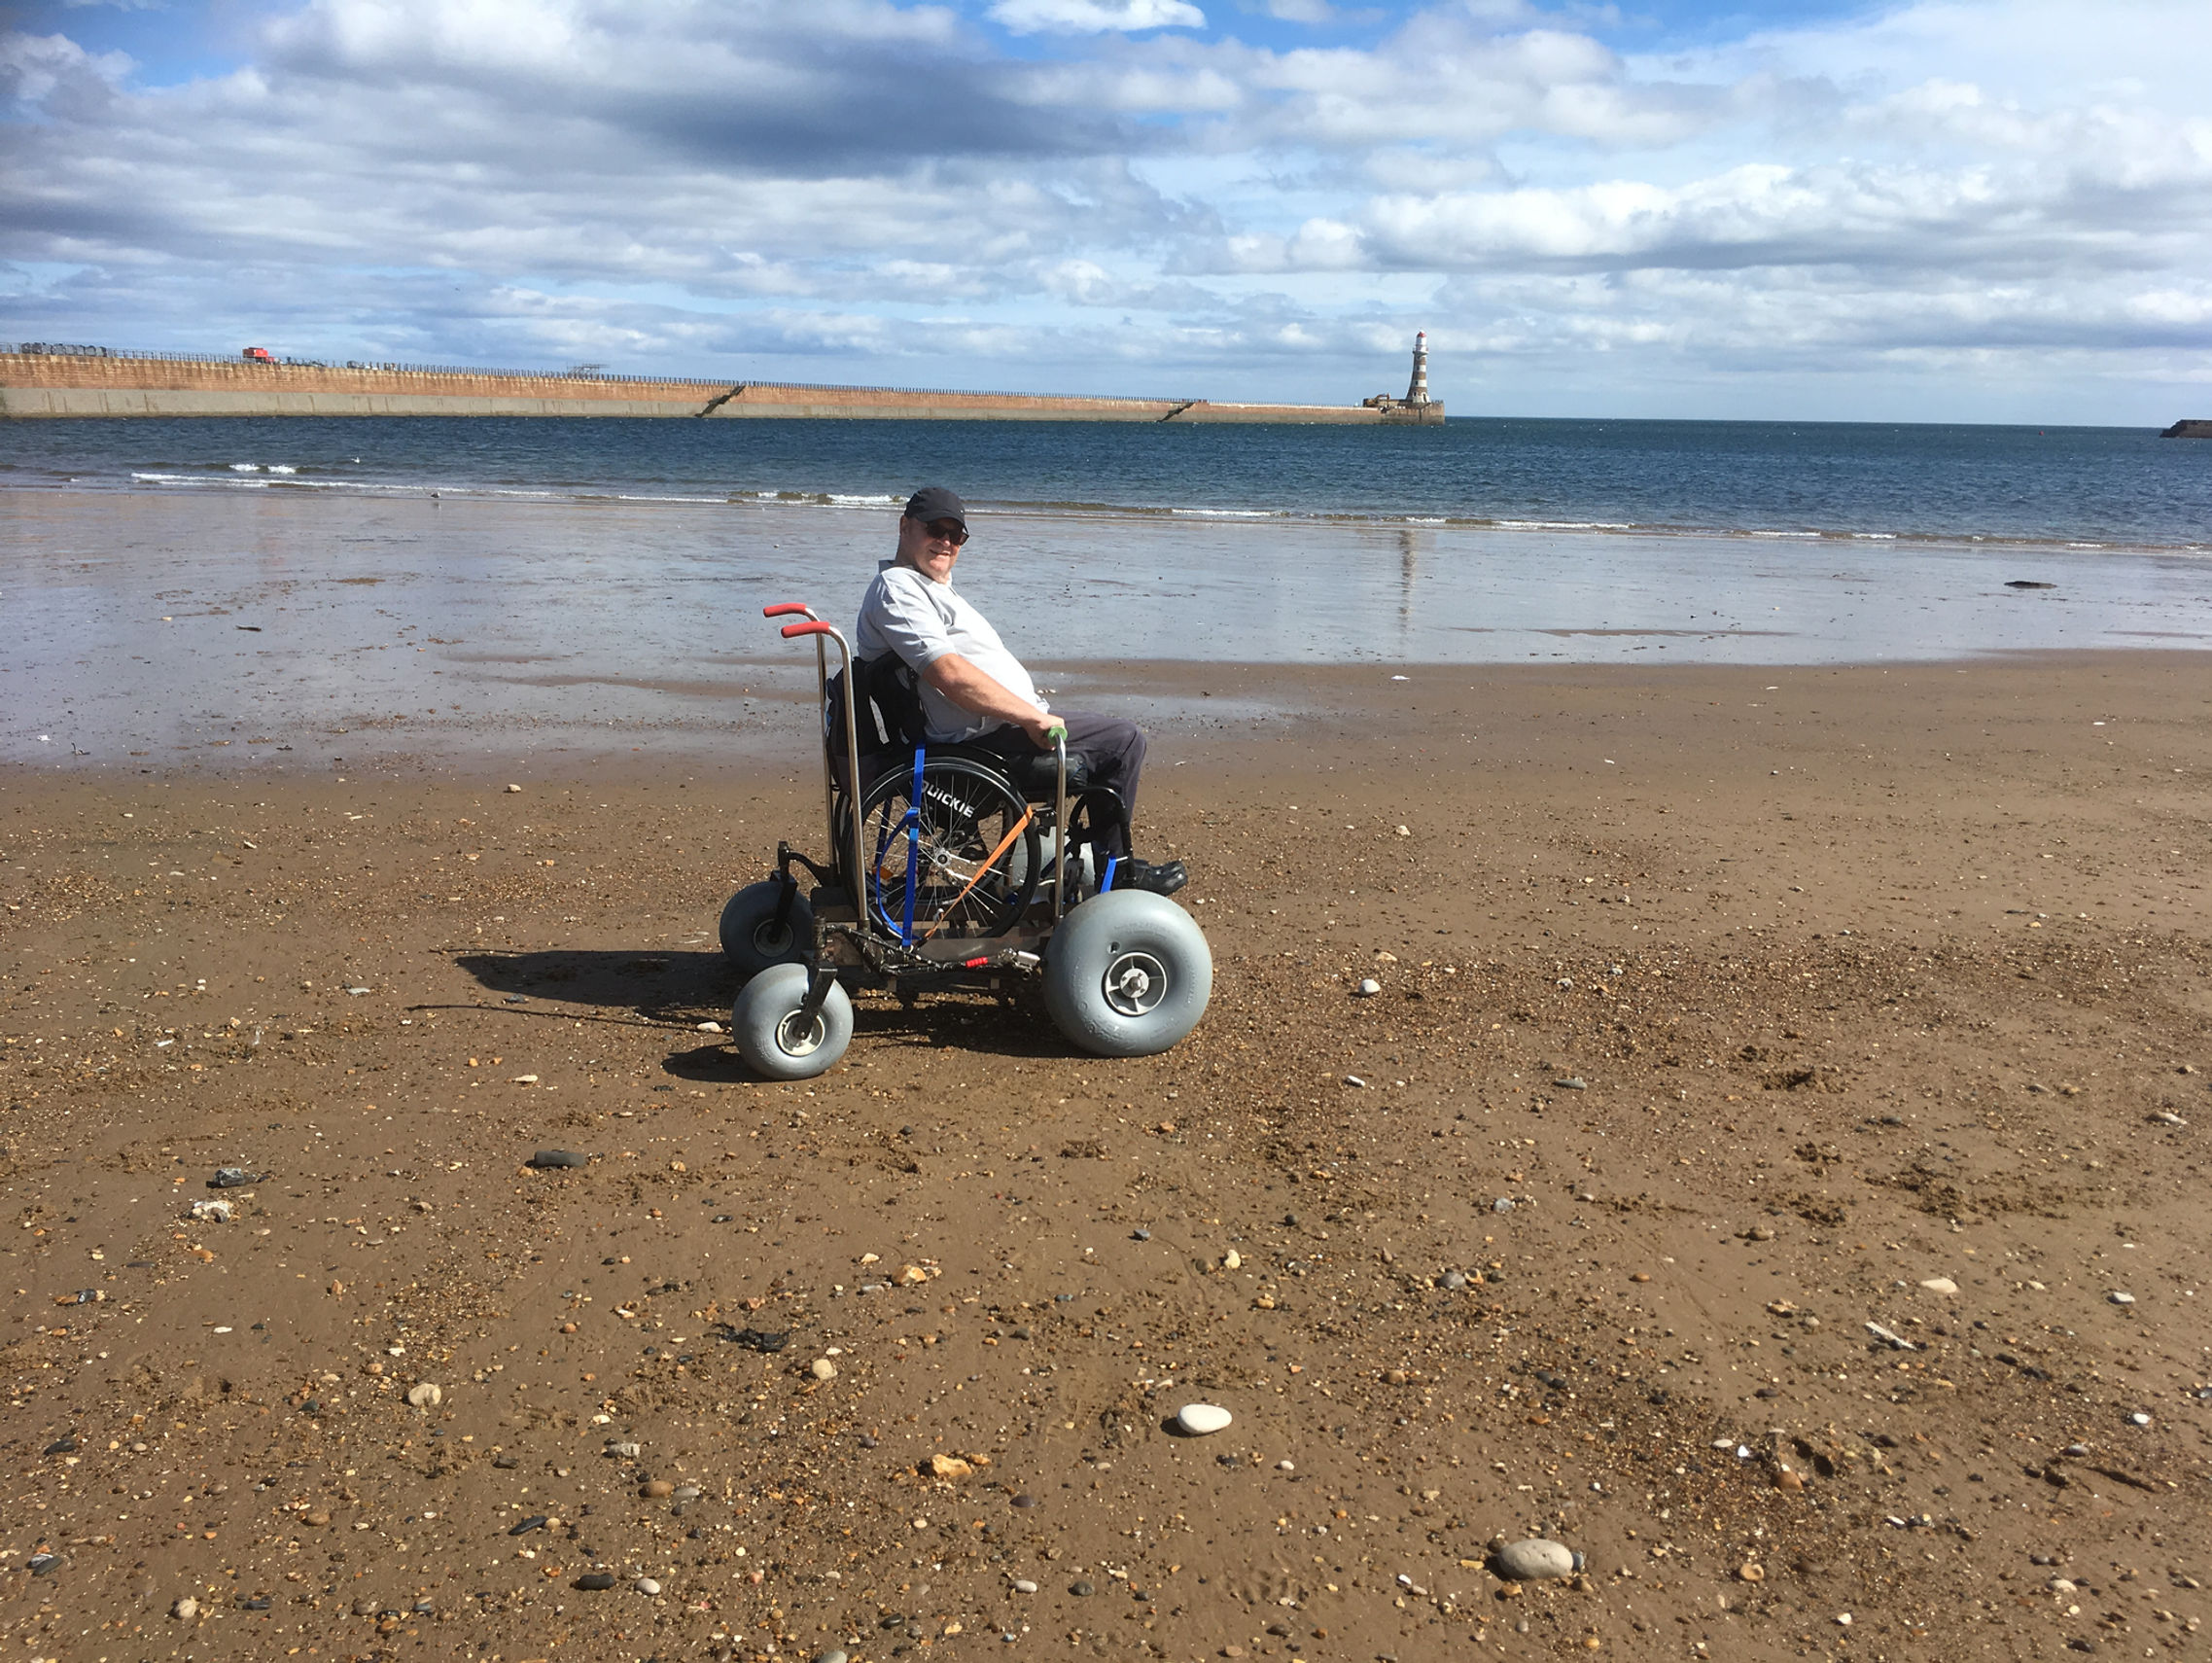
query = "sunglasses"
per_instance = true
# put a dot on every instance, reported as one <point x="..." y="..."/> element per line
<point x="946" y="531"/>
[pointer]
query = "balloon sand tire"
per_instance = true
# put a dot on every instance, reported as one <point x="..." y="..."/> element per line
<point x="774" y="1043"/>
<point x="750" y="937"/>
<point x="1127" y="975"/>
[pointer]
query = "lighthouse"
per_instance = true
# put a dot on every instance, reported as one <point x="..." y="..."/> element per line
<point x="1417" y="390"/>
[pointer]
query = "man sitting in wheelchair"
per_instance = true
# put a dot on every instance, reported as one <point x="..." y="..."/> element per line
<point x="974" y="693"/>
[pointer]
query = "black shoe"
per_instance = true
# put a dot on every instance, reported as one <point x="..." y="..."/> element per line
<point x="1163" y="879"/>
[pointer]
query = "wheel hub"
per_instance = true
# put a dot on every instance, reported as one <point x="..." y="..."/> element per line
<point x="1135" y="984"/>
<point x="797" y="1037"/>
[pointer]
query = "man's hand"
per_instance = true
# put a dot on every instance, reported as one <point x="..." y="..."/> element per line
<point x="1044" y="730"/>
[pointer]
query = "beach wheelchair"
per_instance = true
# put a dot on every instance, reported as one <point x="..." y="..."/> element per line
<point x="949" y="867"/>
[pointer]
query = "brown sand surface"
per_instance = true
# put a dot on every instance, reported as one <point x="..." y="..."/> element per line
<point x="1726" y="1017"/>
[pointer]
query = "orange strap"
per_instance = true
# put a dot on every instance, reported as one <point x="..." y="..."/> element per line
<point x="989" y="861"/>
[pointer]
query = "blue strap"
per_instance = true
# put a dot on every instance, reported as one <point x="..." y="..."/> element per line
<point x="913" y="824"/>
<point x="1106" y="883"/>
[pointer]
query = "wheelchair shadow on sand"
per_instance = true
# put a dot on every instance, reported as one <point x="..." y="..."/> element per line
<point x="681" y="989"/>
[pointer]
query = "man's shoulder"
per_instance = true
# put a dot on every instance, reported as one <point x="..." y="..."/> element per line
<point x="899" y="585"/>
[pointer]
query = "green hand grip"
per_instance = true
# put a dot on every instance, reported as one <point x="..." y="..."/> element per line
<point x="1057" y="732"/>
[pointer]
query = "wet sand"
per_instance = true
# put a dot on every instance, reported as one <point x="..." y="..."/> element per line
<point x="1725" y="1014"/>
<point x="155" y="629"/>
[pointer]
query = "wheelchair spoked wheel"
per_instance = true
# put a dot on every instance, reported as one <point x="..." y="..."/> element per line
<point x="967" y="839"/>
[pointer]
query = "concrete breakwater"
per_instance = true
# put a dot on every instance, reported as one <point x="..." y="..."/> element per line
<point x="34" y="384"/>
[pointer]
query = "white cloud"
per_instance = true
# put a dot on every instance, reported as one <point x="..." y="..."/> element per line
<point x="1967" y="190"/>
<point x="1095" y="17"/>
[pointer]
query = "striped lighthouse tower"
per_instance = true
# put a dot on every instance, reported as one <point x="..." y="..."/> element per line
<point x="1416" y="391"/>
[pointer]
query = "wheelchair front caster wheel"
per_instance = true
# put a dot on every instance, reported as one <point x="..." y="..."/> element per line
<point x="1127" y="975"/>
<point x="770" y="1034"/>
<point x="751" y="934"/>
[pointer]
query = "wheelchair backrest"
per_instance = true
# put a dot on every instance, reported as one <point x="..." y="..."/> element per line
<point x="887" y="703"/>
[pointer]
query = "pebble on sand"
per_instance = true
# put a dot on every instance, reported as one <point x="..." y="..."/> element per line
<point x="427" y="1395"/>
<point x="823" y="1369"/>
<point x="185" y="1609"/>
<point x="1232" y="1260"/>
<point x="1023" y="1586"/>
<point x="1940" y="1284"/>
<point x="1535" y="1560"/>
<point x="835" y="1654"/>
<point x="595" y="1582"/>
<point x="654" y="1489"/>
<point x="1200" y="1419"/>
<point x="2120" y="1298"/>
<point x="646" y="1585"/>
<point x="1369" y="987"/>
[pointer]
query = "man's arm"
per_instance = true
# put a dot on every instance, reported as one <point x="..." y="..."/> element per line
<point x="982" y="694"/>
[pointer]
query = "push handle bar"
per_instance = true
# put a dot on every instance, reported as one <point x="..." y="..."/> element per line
<point x="792" y="631"/>
<point x="784" y="609"/>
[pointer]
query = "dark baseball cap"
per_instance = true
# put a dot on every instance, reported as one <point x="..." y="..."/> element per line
<point x="935" y="503"/>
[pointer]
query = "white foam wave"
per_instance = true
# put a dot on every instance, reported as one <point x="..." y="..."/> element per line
<point x="1876" y="535"/>
<point x="842" y="501"/>
<point x="1797" y="535"/>
<point x="282" y="468"/>
<point x="245" y="467"/>
<point x="1227" y="513"/>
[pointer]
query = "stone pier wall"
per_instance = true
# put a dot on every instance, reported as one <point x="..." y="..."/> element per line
<point x="55" y="385"/>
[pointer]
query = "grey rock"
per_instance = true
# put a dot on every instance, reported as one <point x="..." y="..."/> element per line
<point x="1455" y="1280"/>
<point x="646" y="1585"/>
<point x="1369" y="987"/>
<point x="1081" y="1590"/>
<point x="836" y="1653"/>
<point x="1535" y="1560"/>
<point x="1023" y="1586"/>
<point x="1503" y="1204"/>
<point x="545" y="1160"/>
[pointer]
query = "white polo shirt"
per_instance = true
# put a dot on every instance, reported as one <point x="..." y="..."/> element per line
<point x="904" y="613"/>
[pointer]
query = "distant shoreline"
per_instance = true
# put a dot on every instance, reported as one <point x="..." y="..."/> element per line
<point x="72" y="384"/>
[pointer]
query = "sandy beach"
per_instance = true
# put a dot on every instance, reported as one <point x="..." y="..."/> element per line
<point x="1769" y="1169"/>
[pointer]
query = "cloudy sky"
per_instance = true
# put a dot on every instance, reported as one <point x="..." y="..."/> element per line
<point x="1954" y="209"/>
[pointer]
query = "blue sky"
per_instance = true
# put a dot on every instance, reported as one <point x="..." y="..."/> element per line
<point x="1965" y="209"/>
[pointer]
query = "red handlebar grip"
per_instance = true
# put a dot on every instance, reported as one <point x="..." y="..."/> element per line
<point x="791" y="631"/>
<point x="782" y="608"/>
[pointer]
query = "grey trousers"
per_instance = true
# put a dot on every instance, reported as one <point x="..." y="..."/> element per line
<point x="1112" y="745"/>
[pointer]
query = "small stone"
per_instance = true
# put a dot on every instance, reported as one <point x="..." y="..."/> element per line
<point x="1023" y="1586"/>
<point x="185" y="1609"/>
<point x="547" y="1161"/>
<point x="1285" y="1466"/>
<point x="1574" y="1084"/>
<point x="2119" y="1298"/>
<point x="1751" y="1570"/>
<point x="654" y="1489"/>
<point x="1503" y="1204"/>
<point x="2167" y="1118"/>
<point x="231" y="1178"/>
<point x="1025" y="1501"/>
<point x="1140" y="1235"/>
<point x="689" y="1492"/>
<point x="211" y="1212"/>
<point x="1940" y="1284"/>
<point x="595" y="1582"/>
<point x="515" y="788"/>
<point x="1197" y="1419"/>
<point x="1455" y="1280"/>
<point x="1844" y="1619"/>
<point x="427" y="1395"/>
<point x="318" y="1518"/>
<point x="2076" y="1450"/>
<point x="365" y="1607"/>
<point x="1081" y="1590"/>
<point x="647" y="1585"/>
<point x="713" y="1027"/>
<point x="821" y="1369"/>
<point x="1759" y="1233"/>
<point x="1356" y="1082"/>
<point x="1369" y="987"/>
<point x="1535" y="1560"/>
<point x="835" y="1654"/>
<point x="536" y="1521"/>
<point x="2139" y="1418"/>
<point x="1232" y="1260"/>
<point x="949" y="1466"/>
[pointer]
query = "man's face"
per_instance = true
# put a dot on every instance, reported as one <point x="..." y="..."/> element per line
<point x="931" y="549"/>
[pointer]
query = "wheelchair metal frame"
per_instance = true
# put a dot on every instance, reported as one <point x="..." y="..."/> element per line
<point x="848" y="944"/>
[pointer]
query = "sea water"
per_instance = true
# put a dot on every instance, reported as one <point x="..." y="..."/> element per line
<point x="279" y="588"/>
